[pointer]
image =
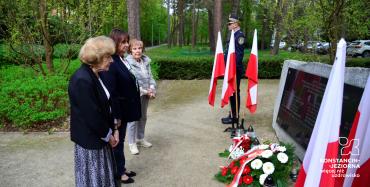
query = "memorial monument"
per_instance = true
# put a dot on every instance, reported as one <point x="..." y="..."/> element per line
<point x="297" y="104"/>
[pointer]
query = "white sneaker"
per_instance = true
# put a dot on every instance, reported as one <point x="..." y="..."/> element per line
<point x="133" y="148"/>
<point x="143" y="143"/>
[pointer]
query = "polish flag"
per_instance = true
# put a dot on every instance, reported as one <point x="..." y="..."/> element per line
<point x="316" y="168"/>
<point x="218" y="70"/>
<point x="229" y="84"/>
<point x="359" y="144"/>
<point x="252" y="74"/>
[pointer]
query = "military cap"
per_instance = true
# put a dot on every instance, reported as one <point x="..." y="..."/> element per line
<point x="233" y="18"/>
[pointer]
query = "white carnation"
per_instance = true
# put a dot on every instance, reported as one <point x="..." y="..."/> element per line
<point x="237" y="153"/>
<point x="267" y="154"/>
<point x="230" y="148"/>
<point x="256" y="164"/>
<point x="282" y="157"/>
<point x="281" y="148"/>
<point x="263" y="146"/>
<point x="268" y="168"/>
<point x="232" y="155"/>
<point x="263" y="178"/>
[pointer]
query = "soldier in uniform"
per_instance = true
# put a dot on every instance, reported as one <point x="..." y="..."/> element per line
<point x="234" y="24"/>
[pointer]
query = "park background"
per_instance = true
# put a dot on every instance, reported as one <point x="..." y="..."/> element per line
<point x="40" y="41"/>
<point x="39" y="45"/>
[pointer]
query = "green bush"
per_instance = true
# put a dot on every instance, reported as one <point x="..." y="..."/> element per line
<point x="8" y="56"/>
<point x="269" y="68"/>
<point x="155" y="69"/>
<point x="358" y="62"/>
<point x="27" y="99"/>
<point x="66" y="51"/>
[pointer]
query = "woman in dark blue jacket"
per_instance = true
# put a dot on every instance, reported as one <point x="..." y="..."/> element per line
<point x="126" y="105"/>
<point x="91" y="121"/>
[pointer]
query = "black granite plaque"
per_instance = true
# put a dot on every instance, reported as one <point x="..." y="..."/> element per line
<point x="300" y="105"/>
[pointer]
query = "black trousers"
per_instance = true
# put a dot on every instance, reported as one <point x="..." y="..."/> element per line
<point x="232" y="98"/>
<point x="118" y="150"/>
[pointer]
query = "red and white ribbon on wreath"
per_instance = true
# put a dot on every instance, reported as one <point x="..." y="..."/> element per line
<point x="249" y="156"/>
<point x="237" y="141"/>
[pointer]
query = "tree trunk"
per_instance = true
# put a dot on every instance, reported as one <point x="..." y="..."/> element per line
<point x="196" y="28"/>
<point x="305" y="41"/>
<point x="264" y="27"/>
<point x="280" y="13"/>
<point x="168" y="25"/>
<point x="217" y="21"/>
<point x="193" y="29"/>
<point x="46" y="36"/>
<point x="133" y="12"/>
<point x="181" y="6"/>
<point x="211" y="28"/>
<point x="278" y="19"/>
<point x="334" y="29"/>
<point x="175" y="28"/>
<point x="114" y="12"/>
<point x="235" y="7"/>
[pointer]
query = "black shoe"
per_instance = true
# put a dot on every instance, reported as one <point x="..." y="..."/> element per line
<point x="128" y="181"/>
<point x="227" y="120"/>
<point x="130" y="174"/>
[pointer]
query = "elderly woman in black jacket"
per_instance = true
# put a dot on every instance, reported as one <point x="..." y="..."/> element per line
<point x="92" y="128"/>
<point x="126" y="105"/>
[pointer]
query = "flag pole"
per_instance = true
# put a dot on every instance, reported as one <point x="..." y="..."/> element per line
<point x="236" y="98"/>
<point x="236" y="102"/>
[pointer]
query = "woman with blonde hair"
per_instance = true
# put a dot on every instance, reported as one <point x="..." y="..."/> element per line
<point x="140" y="64"/>
<point x="91" y="124"/>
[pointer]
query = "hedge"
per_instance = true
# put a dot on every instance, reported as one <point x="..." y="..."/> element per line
<point x="201" y="67"/>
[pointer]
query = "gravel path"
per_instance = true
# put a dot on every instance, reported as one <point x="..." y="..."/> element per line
<point x="185" y="131"/>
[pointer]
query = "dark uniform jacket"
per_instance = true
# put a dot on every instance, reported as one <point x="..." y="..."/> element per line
<point x="125" y="93"/>
<point x="90" y="110"/>
<point x="239" y="50"/>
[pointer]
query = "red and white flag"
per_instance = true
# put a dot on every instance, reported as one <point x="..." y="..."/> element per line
<point x="316" y="168"/>
<point x="252" y="74"/>
<point x="218" y="70"/>
<point x="359" y="144"/>
<point x="229" y="84"/>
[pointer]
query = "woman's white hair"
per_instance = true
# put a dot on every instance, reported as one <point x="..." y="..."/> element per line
<point x="95" y="49"/>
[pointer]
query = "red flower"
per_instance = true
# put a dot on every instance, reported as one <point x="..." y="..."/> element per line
<point x="231" y="165"/>
<point x="234" y="170"/>
<point x="246" y="170"/>
<point x="224" y="171"/>
<point x="247" y="179"/>
<point x="246" y="146"/>
<point x="242" y="160"/>
<point x="240" y="181"/>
